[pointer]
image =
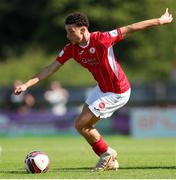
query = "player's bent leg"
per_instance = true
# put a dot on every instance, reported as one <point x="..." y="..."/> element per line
<point x="85" y="125"/>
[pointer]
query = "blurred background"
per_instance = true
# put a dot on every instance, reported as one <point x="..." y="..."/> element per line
<point x="32" y="35"/>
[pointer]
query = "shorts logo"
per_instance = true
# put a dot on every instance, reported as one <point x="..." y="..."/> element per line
<point x="92" y="50"/>
<point x="101" y="105"/>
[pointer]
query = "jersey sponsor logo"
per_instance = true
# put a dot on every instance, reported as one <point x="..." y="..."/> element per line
<point x="89" y="61"/>
<point x="92" y="50"/>
<point x="61" y="53"/>
<point x="113" y="33"/>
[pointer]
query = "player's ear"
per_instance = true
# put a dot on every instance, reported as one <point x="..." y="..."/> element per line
<point x="83" y="29"/>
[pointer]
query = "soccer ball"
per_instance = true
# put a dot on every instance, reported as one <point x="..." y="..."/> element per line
<point x="36" y="162"/>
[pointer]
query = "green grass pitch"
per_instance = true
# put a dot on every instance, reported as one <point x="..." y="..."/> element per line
<point x="72" y="158"/>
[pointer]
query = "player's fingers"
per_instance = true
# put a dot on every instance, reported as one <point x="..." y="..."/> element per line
<point x="167" y="12"/>
<point x="17" y="91"/>
<point x="171" y="18"/>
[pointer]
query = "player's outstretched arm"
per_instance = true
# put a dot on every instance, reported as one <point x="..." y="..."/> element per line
<point x="166" y="18"/>
<point x="44" y="73"/>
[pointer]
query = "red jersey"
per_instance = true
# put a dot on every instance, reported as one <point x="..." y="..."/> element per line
<point x="98" y="57"/>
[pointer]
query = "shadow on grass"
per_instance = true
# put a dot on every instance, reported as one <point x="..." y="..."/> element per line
<point x="148" y="167"/>
<point x="87" y="169"/>
<point x="76" y="169"/>
<point x="13" y="172"/>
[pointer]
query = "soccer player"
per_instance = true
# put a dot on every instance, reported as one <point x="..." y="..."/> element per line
<point x="93" y="50"/>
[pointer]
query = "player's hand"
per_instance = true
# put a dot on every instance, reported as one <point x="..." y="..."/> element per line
<point x="166" y="17"/>
<point x="19" y="89"/>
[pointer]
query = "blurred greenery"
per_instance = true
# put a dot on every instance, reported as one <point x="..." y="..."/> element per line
<point x="32" y="34"/>
<point x="33" y="59"/>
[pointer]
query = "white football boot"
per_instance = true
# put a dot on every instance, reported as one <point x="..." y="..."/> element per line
<point x="107" y="161"/>
<point x="113" y="165"/>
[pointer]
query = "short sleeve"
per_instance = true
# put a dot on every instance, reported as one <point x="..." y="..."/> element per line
<point x="110" y="38"/>
<point x="65" y="54"/>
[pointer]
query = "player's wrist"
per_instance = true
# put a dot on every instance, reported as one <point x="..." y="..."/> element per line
<point x="160" y="22"/>
<point x="24" y="87"/>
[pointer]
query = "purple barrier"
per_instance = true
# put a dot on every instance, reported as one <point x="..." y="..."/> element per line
<point x="46" y="123"/>
<point x="121" y="124"/>
<point x="36" y="123"/>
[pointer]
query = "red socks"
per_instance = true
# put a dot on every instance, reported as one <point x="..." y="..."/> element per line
<point x="99" y="147"/>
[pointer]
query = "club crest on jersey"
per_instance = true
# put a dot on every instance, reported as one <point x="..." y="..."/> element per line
<point x="92" y="50"/>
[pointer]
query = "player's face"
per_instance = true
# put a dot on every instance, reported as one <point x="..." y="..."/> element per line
<point x="74" y="33"/>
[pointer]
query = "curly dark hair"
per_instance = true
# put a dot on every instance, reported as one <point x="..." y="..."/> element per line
<point x="77" y="18"/>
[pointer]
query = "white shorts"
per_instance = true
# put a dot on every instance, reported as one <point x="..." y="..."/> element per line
<point x="103" y="105"/>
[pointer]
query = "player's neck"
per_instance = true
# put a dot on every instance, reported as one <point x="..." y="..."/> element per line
<point x="85" y="40"/>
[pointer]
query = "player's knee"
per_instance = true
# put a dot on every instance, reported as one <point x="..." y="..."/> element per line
<point x="80" y="125"/>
